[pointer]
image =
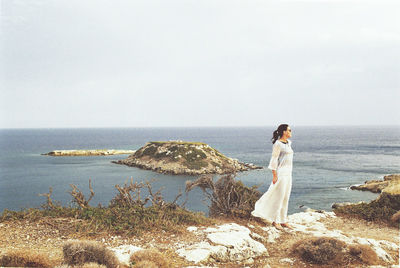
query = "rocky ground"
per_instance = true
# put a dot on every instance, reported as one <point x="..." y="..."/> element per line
<point x="190" y="158"/>
<point x="238" y="243"/>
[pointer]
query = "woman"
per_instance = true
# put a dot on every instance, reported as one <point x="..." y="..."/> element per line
<point x="273" y="204"/>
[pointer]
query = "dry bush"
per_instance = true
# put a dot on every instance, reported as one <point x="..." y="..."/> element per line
<point x="129" y="195"/>
<point x="228" y="197"/>
<point x="150" y="255"/>
<point x="321" y="250"/>
<point x="24" y="258"/>
<point x="79" y="197"/>
<point x="81" y="252"/>
<point x="85" y="265"/>
<point x="146" y="264"/>
<point x="93" y="265"/>
<point x="364" y="254"/>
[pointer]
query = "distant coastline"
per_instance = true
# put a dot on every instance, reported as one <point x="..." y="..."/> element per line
<point x="88" y="152"/>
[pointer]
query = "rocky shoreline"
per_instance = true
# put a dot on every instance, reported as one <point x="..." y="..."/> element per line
<point x="88" y="152"/>
<point x="384" y="208"/>
<point x="184" y="158"/>
<point x="378" y="186"/>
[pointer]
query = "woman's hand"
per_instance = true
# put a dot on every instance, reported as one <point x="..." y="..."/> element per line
<point x="274" y="176"/>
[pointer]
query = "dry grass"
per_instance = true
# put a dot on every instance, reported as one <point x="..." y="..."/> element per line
<point x="364" y="254"/>
<point x="322" y="250"/>
<point x="85" y="265"/>
<point x="25" y="258"/>
<point x="81" y="252"/>
<point x="333" y="252"/>
<point x="150" y="255"/>
<point x="146" y="264"/>
<point x="128" y="213"/>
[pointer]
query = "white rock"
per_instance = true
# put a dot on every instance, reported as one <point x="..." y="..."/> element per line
<point x="192" y="229"/>
<point x="237" y="240"/>
<point x="124" y="252"/>
<point x="286" y="260"/>
<point x="273" y="234"/>
<point x="232" y="243"/>
<point x="200" y="252"/>
<point x="259" y="237"/>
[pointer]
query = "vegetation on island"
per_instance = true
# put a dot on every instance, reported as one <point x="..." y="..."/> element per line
<point x="178" y="157"/>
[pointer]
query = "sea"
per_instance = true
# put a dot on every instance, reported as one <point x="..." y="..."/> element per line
<point x="327" y="161"/>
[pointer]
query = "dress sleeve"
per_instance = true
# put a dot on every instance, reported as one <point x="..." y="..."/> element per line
<point x="276" y="150"/>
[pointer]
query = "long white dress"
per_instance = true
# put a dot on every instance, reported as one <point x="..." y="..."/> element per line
<point x="273" y="204"/>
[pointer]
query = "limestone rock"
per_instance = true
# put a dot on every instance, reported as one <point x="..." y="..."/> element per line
<point x="124" y="252"/>
<point x="390" y="183"/>
<point x="227" y="243"/>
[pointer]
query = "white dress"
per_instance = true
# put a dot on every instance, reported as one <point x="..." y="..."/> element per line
<point x="273" y="204"/>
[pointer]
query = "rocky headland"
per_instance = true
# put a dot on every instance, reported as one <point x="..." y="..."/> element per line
<point x="384" y="208"/>
<point x="189" y="158"/>
<point x="88" y="152"/>
<point x="390" y="183"/>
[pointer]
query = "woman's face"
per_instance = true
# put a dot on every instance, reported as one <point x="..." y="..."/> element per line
<point x="288" y="132"/>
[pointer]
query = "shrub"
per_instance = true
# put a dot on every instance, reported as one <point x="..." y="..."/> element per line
<point x="24" y="258"/>
<point x="128" y="213"/>
<point x="149" y="255"/>
<point x="322" y="250"/>
<point x="228" y="197"/>
<point x="363" y="254"/>
<point x="81" y="252"/>
<point x="380" y="209"/>
<point x="145" y="264"/>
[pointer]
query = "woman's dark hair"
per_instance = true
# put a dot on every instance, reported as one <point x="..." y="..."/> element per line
<point x="279" y="132"/>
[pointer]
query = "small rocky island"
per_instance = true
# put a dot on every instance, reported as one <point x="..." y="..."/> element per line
<point x="188" y="158"/>
<point x="87" y="152"/>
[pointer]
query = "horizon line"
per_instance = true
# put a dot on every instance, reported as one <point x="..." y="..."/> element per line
<point x="237" y="126"/>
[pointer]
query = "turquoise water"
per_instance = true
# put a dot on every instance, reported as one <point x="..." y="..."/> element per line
<point x="327" y="161"/>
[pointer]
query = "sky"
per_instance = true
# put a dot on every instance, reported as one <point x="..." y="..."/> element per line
<point x="195" y="63"/>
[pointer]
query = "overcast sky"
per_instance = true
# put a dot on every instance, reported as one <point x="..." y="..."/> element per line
<point x="199" y="63"/>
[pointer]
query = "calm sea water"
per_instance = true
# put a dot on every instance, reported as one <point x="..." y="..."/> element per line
<point x="327" y="161"/>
